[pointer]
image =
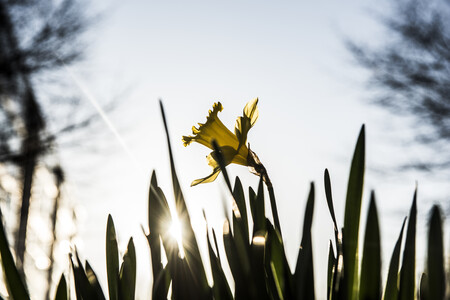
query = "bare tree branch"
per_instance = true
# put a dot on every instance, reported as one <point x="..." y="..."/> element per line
<point x="411" y="72"/>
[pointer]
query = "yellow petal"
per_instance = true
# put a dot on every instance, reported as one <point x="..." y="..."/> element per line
<point x="230" y="155"/>
<point x="211" y="161"/>
<point x="212" y="129"/>
<point x="209" y="178"/>
<point x="241" y="157"/>
<point x="244" y="123"/>
<point x="251" y="111"/>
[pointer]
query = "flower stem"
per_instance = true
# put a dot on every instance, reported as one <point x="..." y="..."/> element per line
<point x="273" y="204"/>
<point x="257" y="168"/>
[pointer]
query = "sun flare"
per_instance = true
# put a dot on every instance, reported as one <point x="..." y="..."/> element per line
<point x="175" y="230"/>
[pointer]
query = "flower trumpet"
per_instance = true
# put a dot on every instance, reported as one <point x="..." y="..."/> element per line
<point x="232" y="146"/>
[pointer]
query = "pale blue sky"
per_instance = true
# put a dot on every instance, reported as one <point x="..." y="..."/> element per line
<point x="313" y="101"/>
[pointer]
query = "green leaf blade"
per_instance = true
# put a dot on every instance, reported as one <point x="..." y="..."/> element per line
<point x="370" y="281"/>
<point x="330" y="272"/>
<point x="304" y="271"/>
<point x="15" y="284"/>
<point x="61" y="290"/>
<point x="93" y="281"/>
<point x="258" y="208"/>
<point x="221" y="289"/>
<point x="127" y="277"/>
<point x="352" y="218"/>
<point x="277" y="267"/>
<point x="112" y="260"/>
<point x="190" y="245"/>
<point x="238" y="195"/>
<point x="435" y="261"/>
<point x="407" y="273"/>
<point x="257" y="275"/>
<point x="391" y="290"/>
<point x="83" y="287"/>
<point x="239" y="264"/>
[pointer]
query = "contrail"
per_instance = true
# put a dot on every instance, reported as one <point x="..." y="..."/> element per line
<point x="103" y="115"/>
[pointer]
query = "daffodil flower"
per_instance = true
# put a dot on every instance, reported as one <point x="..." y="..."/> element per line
<point x="232" y="145"/>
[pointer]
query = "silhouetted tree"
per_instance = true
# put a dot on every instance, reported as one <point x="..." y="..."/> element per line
<point x="36" y="38"/>
<point x="411" y="71"/>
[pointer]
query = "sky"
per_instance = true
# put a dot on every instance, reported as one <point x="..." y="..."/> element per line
<point x="312" y="103"/>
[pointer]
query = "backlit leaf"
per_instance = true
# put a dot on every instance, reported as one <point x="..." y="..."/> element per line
<point x="352" y="217"/>
<point x="407" y="274"/>
<point x="370" y="283"/>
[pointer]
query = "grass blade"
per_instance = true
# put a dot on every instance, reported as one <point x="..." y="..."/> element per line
<point x="179" y="199"/>
<point x="391" y="291"/>
<point x="330" y="273"/>
<point x="93" y="281"/>
<point x="352" y="217"/>
<point x="423" y="288"/>
<point x="159" y="218"/>
<point x="112" y="260"/>
<point x="370" y="286"/>
<point x="335" y="290"/>
<point x="83" y="287"/>
<point x="304" y="271"/>
<point x="246" y="256"/>
<point x="407" y="273"/>
<point x="257" y="206"/>
<point x="185" y="283"/>
<point x="277" y="266"/>
<point x="435" y="261"/>
<point x="238" y="262"/>
<point x="161" y="284"/>
<point x="16" y="287"/>
<point x="258" y="272"/>
<point x="61" y="290"/>
<point x="127" y="282"/>
<point x="221" y="289"/>
<point x="238" y="194"/>
<point x="190" y="245"/>
<point x="329" y="198"/>
<point x="273" y="206"/>
<point x="252" y="202"/>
